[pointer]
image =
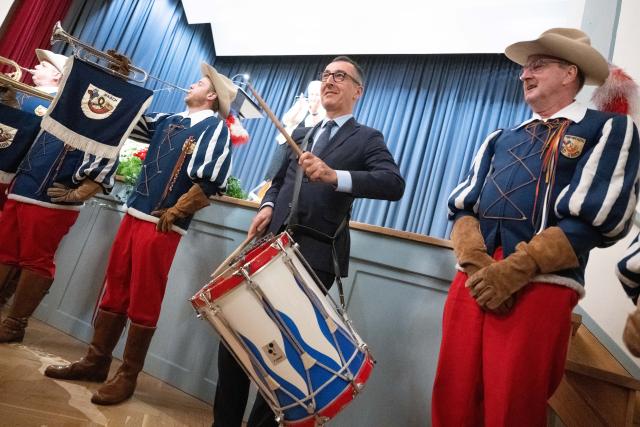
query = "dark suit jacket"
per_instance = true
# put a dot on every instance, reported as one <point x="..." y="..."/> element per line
<point x="355" y="148"/>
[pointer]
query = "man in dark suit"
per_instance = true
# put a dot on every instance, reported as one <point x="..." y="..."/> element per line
<point x="344" y="160"/>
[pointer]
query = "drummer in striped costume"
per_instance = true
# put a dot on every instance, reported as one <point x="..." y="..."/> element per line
<point x="538" y="198"/>
<point x="189" y="159"/>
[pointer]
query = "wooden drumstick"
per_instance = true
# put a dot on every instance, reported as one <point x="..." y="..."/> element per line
<point x="235" y="253"/>
<point x="296" y="149"/>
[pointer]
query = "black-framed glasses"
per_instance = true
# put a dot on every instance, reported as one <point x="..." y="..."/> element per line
<point x="338" y="77"/>
<point x="537" y="65"/>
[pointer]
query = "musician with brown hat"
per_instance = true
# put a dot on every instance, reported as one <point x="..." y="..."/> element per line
<point x="189" y="159"/>
<point x="46" y="77"/>
<point x="537" y="199"/>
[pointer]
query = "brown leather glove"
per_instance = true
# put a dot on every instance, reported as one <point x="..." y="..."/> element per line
<point x="468" y="245"/>
<point x="190" y="202"/>
<point x="471" y="252"/>
<point x="631" y="334"/>
<point x="547" y="252"/>
<point x="61" y="193"/>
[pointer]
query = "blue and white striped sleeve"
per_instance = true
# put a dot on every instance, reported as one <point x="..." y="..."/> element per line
<point x="597" y="206"/>
<point x="464" y="198"/>
<point x="98" y="169"/>
<point x="210" y="164"/>
<point x="628" y="270"/>
<point x="146" y="126"/>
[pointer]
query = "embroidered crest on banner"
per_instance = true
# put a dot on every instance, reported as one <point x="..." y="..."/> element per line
<point x="7" y="133"/>
<point x="572" y="146"/>
<point x="98" y="104"/>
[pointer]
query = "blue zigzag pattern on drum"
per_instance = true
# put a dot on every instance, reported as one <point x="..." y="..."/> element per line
<point x="323" y="381"/>
<point x="297" y="412"/>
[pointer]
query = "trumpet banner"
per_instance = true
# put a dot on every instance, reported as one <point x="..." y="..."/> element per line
<point x="95" y="111"/>
<point x="18" y="130"/>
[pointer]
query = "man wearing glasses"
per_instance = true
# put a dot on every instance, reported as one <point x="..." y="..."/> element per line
<point x="538" y="198"/>
<point x="343" y="160"/>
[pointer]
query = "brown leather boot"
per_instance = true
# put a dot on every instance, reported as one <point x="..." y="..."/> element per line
<point x="9" y="288"/>
<point x="95" y="365"/>
<point x="8" y="282"/>
<point x="32" y="287"/>
<point x="123" y="384"/>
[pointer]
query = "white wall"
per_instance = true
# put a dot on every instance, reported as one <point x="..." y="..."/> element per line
<point x="606" y="302"/>
<point x="294" y="27"/>
<point x="5" y="5"/>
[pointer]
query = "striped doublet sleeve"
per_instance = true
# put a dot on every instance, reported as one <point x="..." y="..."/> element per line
<point x="210" y="164"/>
<point x="628" y="270"/>
<point x="465" y="197"/>
<point x="98" y="169"/>
<point x="597" y="207"/>
<point x="146" y="126"/>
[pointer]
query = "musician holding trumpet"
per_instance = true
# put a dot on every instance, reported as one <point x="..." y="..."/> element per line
<point x="15" y="142"/>
<point x="44" y="199"/>
<point x="189" y="159"/>
<point x="342" y="160"/>
<point x="46" y="77"/>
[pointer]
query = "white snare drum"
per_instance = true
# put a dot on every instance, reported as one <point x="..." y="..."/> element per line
<point x="304" y="356"/>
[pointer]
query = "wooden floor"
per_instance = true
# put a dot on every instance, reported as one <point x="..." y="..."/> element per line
<point x="28" y="398"/>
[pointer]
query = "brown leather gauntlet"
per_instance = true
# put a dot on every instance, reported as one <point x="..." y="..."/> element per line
<point x="547" y="252"/>
<point x="188" y="204"/>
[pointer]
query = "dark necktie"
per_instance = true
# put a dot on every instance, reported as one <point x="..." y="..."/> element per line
<point x="322" y="142"/>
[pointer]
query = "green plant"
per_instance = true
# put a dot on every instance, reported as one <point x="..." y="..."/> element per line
<point x="129" y="169"/>
<point x="234" y="189"/>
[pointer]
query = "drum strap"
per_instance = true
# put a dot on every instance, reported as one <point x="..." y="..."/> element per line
<point x="293" y="225"/>
<point x="293" y="213"/>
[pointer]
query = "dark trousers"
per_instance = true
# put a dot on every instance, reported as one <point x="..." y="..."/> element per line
<point x="232" y="390"/>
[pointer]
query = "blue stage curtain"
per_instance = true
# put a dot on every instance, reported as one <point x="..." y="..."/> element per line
<point x="434" y="110"/>
<point x="154" y="34"/>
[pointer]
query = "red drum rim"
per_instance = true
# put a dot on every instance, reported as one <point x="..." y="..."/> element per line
<point x="253" y="261"/>
<point x="342" y="400"/>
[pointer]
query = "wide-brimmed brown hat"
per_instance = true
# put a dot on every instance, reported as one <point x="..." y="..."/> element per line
<point x="54" y="59"/>
<point x="570" y="44"/>
<point x="224" y="87"/>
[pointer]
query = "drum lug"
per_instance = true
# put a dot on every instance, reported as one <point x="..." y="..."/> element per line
<point x="357" y="388"/>
<point x="311" y="408"/>
<point x="244" y="273"/>
<point x="280" y="419"/>
<point x="320" y="421"/>
<point x="215" y="308"/>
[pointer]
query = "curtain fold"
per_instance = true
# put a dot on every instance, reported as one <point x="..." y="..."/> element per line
<point x="434" y="110"/>
<point x="30" y="28"/>
<point x="156" y="37"/>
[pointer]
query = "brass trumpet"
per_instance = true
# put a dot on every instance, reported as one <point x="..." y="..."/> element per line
<point x="85" y="51"/>
<point x="15" y="75"/>
<point x="13" y="80"/>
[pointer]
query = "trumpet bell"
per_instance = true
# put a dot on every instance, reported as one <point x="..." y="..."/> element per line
<point x="89" y="53"/>
<point x="17" y="73"/>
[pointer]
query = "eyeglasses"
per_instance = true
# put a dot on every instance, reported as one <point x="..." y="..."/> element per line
<point x="537" y="65"/>
<point x="338" y="77"/>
